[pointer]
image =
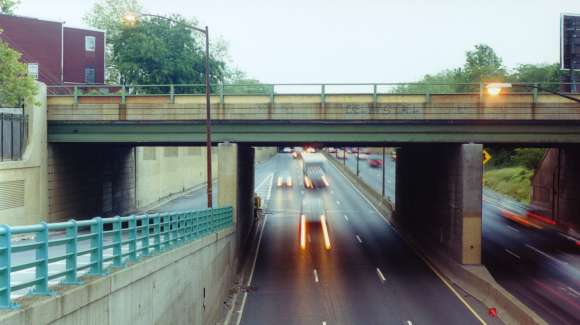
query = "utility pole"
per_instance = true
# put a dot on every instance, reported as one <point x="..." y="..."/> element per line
<point x="357" y="159"/>
<point x="383" y="191"/>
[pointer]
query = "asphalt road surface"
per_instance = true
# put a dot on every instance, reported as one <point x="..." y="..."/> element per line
<point x="368" y="276"/>
<point x="541" y="267"/>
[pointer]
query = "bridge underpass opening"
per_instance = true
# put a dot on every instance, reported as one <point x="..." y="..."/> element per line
<point x="322" y="244"/>
<point x="348" y="246"/>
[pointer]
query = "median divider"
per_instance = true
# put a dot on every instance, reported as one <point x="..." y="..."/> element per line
<point x="475" y="280"/>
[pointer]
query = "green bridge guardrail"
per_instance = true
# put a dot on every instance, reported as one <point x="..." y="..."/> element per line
<point x="273" y="89"/>
<point x="126" y="238"/>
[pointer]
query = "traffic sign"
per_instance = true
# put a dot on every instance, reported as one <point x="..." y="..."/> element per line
<point x="486" y="157"/>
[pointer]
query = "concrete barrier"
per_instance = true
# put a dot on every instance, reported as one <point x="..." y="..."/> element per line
<point x="474" y="279"/>
<point x="186" y="285"/>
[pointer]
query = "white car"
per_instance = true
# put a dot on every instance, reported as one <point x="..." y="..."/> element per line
<point x="287" y="150"/>
<point x="363" y="156"/>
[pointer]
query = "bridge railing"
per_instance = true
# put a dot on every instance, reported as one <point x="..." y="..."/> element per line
<point x="35" y="257"/>
<point x="321" y="89"/>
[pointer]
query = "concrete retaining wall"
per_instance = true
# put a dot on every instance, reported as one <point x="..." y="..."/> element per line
<point x="23" y="184"/>
<point x="186" y="285"/>
<point x="166" y="171"/>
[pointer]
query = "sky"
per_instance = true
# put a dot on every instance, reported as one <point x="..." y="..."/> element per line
<point x="347" y="41"/>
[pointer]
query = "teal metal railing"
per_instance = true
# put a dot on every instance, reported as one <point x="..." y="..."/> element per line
<point x="320" y="89"/>
<point x="66" y="251"/>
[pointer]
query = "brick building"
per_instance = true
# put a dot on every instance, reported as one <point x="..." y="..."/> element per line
<point x="56" y="54"/>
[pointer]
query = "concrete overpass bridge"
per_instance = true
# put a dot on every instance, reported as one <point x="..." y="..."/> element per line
<point x="439" y="134"/>
<point x="308" y="113"/>
<point x="439" y="138"/>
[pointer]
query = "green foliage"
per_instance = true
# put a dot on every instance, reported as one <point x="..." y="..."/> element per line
<point x="440" y="83"/>
<point x="514" y="157"/>
<point x="108" y="16"/>
<point x="528" y="157"/>
<point x="540" y="73"/>
<point x="7" y="6"/>
<point x="515" y="182"/>
<point x="239" y="83"/>
<point x="15" y="84"/>
<point x="481" y="64"/>
<point x="156" y="51"/>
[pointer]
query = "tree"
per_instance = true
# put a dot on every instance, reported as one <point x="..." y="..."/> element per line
<point x="238" y="82"/>
<point x="108" y="16"/>
<point x="483" y="64"/>
<point x="7" y="6"/>
<point x="156" y="51"/>
<point x="547" y="75"/>
<point x="15" y="84"/>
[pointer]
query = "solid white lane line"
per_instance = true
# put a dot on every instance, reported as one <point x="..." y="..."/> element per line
<point x="420" y="256"/>
<point x="512" y="253"/>
<point x="514" y="229"/>
<point x="358" y="238"/>
<point x="381" y="276"/>
<point x="346" y="217"/>
<point x="315" y="276"/>
<point x="241" y="311"/>
<point x="545" y="254"/>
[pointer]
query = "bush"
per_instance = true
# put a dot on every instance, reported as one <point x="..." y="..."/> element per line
<point x="528" y="157"/>
<point x="515" y="182"/>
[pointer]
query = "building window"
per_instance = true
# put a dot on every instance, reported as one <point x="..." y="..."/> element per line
<point x="90" y="75"/>
<point x="90" y="43"/>
<point x="33" y="70"/>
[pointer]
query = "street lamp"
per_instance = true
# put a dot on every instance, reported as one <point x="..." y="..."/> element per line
<point x="131" y="19"/>
<point x="495" y="88"/>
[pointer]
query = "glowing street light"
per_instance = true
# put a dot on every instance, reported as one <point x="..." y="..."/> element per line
<point x="130" y="19"/>
<point x="495" y="89"/>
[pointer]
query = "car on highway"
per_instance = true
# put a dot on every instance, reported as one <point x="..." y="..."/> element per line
<point x="287" y="150"/>
<point x="362" y="156"/>
<point x="313" y="171"/>
<point x="284" y="180"/>
<point x="297" y="152"/>
<point x="375" y="163"/>
<point x="331" y="150"/>
<point x="340" y="154"/>
<point x="313" y="223"/>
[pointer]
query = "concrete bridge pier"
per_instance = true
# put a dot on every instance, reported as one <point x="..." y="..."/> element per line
<point x="236" y="186"/>
<point x="439" y="198"/>
<point x="556" y="186"/>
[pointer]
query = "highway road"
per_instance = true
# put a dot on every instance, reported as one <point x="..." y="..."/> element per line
<point x="540" y="267"/>
<point x="368" y="276"/>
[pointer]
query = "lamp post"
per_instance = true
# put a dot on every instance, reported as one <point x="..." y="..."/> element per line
<point x="131" y="19"/>
<point x="495" y="88"/>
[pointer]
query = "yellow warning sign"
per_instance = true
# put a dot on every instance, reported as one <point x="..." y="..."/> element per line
<point x="486" y="157"/>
